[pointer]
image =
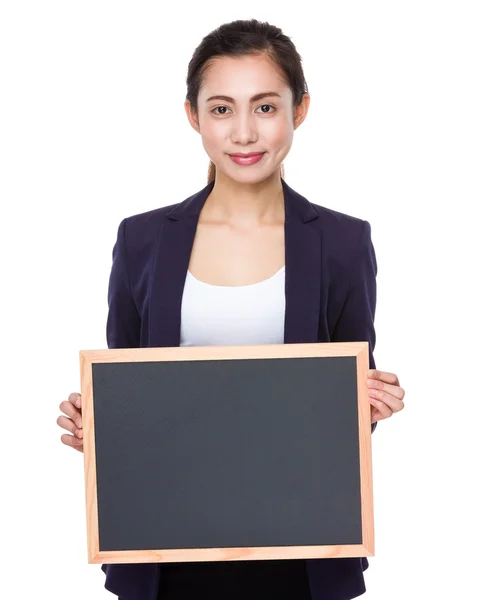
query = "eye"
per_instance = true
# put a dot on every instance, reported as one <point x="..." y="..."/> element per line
<point x="262" y="106"/>
<point x="212" y="111"/>
<point x="223" y="113"/>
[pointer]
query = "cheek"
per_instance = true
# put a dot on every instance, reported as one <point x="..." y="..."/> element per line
<point x="213" y="136"/>
<point x="279" y="134"/>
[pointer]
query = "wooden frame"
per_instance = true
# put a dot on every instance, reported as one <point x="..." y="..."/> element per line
<point x="355" y="349"/>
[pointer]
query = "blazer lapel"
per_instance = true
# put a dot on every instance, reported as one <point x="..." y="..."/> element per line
<point x="303" y="269"/>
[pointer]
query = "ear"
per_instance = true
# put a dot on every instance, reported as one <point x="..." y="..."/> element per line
<point x="191" y="116"/>
<point x="300" y="112"/>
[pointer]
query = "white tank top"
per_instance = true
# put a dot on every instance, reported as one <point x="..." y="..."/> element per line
<point x="215" y="315"/>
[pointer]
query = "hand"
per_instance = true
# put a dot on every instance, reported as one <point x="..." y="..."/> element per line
<point x="73" y="422"/>
<point x="385" y="394"/>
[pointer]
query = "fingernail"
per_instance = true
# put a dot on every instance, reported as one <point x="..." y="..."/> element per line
<point x="77" y="402"/>
<point x="78" y="422"/>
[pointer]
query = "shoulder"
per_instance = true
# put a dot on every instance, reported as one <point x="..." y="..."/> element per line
<point x="148" y="220"/>
<point x="141" y="230"/>
<point x="334" y="223"/>
<point x="346" y="242"/>
<point x="343" y="234"/>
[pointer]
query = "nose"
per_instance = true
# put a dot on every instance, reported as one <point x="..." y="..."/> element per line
<point x="243" y="129"/>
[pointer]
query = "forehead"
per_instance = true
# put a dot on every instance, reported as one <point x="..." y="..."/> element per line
<point x="242" y="77"/>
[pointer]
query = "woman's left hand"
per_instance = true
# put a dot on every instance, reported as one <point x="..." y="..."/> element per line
<point x="385" y="394"/>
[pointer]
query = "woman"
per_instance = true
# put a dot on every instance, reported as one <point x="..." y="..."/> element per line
<point x="240" y="262"/>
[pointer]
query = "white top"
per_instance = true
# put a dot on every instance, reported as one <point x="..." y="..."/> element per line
<point x="217" y="315"/>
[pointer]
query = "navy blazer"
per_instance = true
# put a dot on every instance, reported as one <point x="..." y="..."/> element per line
<point x="330" y="288"/>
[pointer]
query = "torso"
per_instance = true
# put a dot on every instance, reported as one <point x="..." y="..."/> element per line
<point x="223" y="255"/>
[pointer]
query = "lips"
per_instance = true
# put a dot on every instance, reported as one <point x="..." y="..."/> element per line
<point x="247" y="159"/>
<point x="241" y="155"/>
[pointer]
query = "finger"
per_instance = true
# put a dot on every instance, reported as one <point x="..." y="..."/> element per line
<point x="393" y="403"/>
<point x="66" y="423"/>
<point x="380" y="411"/>
<point x="383" y="376"/>
<point x="70" y="440"/>
<point x="69" y="425"/>
<point x="76" y="398"/>
<point x="394" y="390"/>
<point x="375" y="414"/>
<point x="69" y="409"/>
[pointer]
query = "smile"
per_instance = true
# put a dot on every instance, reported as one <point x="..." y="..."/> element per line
<point x="247" y="160"/>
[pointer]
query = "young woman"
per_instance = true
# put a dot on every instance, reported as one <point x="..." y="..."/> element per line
<point x="242" y="262"/>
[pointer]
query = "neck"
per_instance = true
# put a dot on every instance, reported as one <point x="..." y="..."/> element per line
<point x="246" y="204"/>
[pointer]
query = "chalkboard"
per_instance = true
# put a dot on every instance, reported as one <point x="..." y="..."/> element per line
<point x="227" y="452"/>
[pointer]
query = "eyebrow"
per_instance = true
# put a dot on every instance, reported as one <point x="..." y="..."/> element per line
<point x="253" y="99"/>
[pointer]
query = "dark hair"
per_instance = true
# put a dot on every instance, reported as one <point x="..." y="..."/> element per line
<point x="243" y="38"/>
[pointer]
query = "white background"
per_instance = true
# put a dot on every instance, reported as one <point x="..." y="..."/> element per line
<point x="93" y="129"/>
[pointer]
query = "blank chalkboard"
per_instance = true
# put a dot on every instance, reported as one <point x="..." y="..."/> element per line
<point x="227" y="452"/>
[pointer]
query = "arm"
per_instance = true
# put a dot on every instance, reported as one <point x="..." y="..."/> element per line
<point x="356" y="321"/>
<point x="123" y="320"/>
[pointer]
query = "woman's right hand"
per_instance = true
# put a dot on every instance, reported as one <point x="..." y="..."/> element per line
<point x="72" y="422"/>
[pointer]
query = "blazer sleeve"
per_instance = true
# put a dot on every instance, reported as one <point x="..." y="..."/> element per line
<point x="123" y="319"/>
<point x="356" y="321"/>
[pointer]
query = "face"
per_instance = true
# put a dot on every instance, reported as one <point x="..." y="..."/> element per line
<point x="239" y="123"/>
